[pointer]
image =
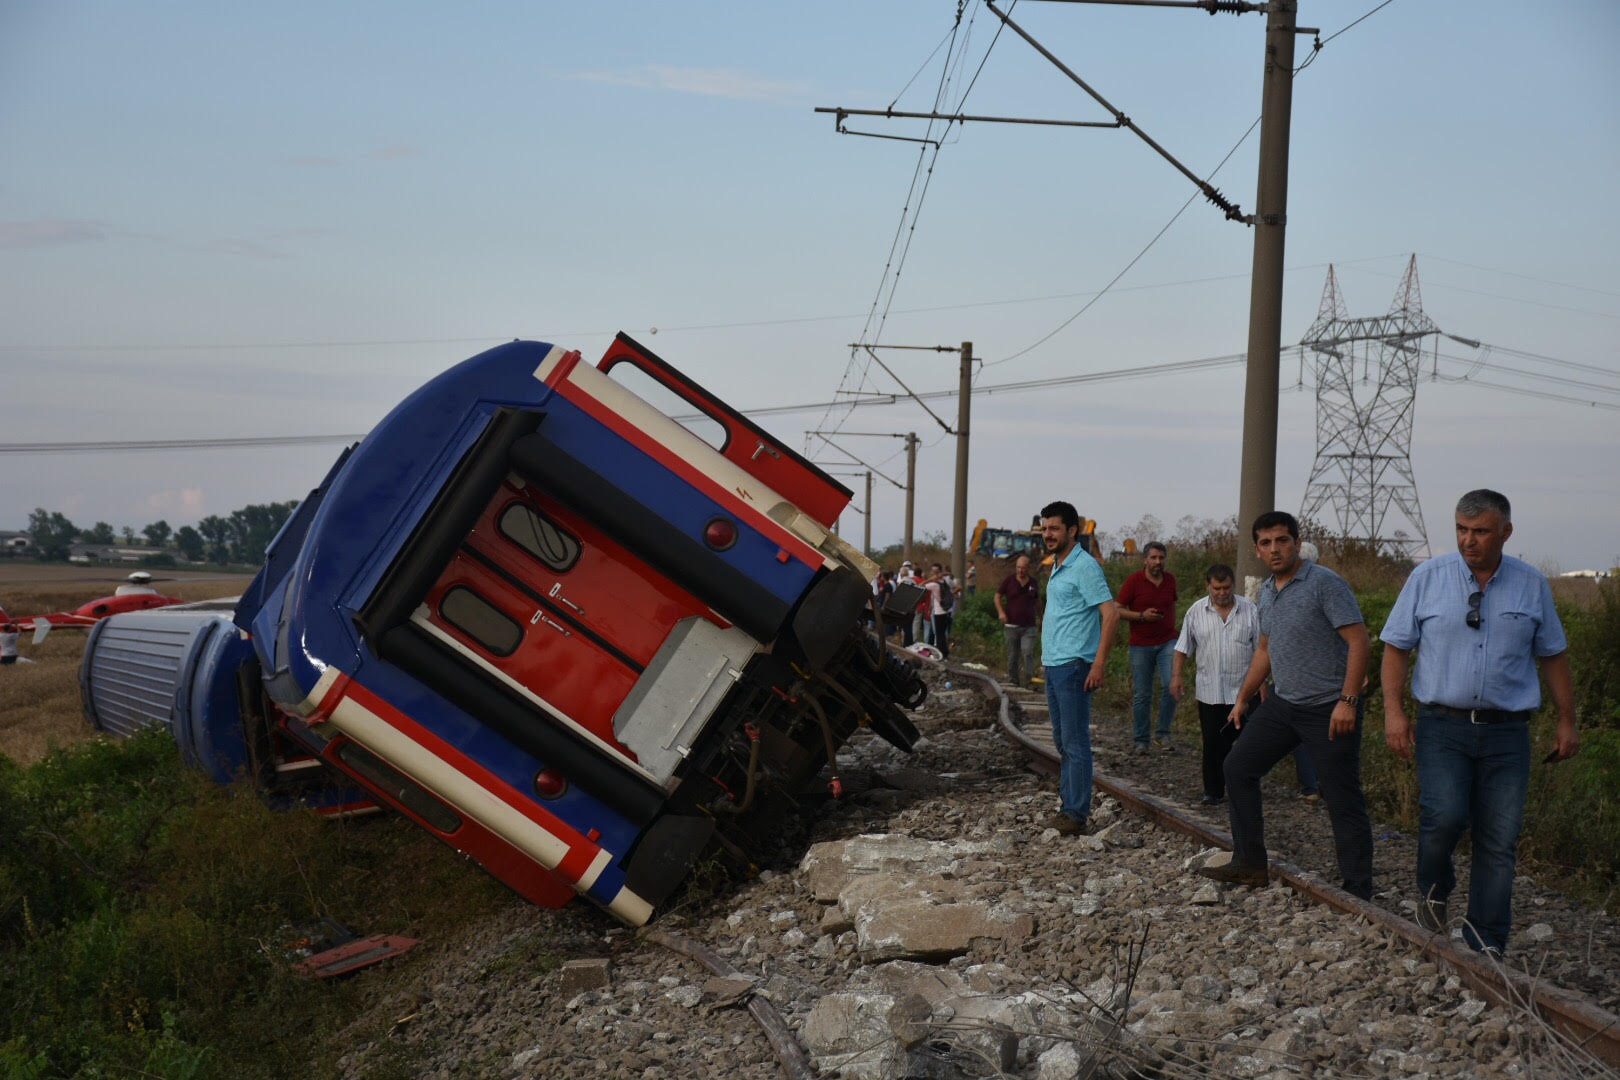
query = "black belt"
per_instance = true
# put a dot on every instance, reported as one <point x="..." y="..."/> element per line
<point x="1481" y="716"/>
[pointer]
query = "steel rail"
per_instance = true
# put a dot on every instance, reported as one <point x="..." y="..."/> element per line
<point x="1590" y="1027"/>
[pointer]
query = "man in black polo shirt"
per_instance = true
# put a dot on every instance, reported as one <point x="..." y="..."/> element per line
<point x="1314" y="645"/>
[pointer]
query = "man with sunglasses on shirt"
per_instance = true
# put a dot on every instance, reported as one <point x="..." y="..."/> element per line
<point x="1480" y="620"/>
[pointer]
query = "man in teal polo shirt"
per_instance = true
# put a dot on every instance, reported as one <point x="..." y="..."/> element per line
<point x="1076" y="634"/>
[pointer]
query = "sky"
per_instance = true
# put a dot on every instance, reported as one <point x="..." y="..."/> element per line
<point x="222" y="220"/>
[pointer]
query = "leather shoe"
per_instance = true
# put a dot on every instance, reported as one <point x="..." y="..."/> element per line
<point x="1066" y="825"/>
<point x="1233" y="873"/>
<point x="1211" y="800"/>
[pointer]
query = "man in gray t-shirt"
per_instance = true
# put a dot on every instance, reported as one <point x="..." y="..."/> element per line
<point x="1314" y="645"/>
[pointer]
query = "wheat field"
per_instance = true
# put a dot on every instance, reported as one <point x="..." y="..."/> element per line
<point x="39" y="695"/>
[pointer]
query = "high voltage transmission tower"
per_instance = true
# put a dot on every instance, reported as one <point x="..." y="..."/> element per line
<point x="1366" y="390"/>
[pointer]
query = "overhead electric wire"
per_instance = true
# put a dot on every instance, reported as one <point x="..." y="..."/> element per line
<point x="1496" y="296"/>
<point x="1184" y="205"/>
<point x="1174" y="367"/>
<point x="136" y="445"/>
<point x="895" y="243"/>
<point x="565" y="335"/>
<point x="1510" y="273"/>
<point x="868" y="335"/>
<point x="1101" y="293"/>
<point x="1611" y="372"/>
<point x="1316" y="46"/>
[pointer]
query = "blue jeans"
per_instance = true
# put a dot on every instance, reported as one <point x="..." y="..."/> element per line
<point x="1069" y="702"/>
<point x="1020" y="653"/>
<point x="1472" y="776"/>
<point x="1146" y="661"/>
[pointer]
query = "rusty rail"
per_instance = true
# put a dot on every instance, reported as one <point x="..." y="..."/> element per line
<point x="1576" y="1018"/>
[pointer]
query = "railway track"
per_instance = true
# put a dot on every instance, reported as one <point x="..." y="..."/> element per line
<point x="1573" y="1017"/>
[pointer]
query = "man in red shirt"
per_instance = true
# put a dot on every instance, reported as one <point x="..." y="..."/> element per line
<point x="1147" y="601"/>
<point x="1016" y="601"/>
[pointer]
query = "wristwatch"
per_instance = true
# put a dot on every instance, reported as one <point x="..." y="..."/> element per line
<point x="1350" y="699"/>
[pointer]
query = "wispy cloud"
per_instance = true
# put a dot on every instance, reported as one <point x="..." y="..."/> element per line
<point x="50" y="232"/>
<point x="231" y="245"/>
<point x="59" y="232"/>
<point x="188" y="501"/>
<point x="710" y="82"/>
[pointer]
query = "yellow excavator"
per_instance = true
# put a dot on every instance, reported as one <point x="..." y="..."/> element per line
<point x="999" y="543"/>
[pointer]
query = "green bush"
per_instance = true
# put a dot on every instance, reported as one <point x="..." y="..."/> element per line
<point x="145" y="915"/>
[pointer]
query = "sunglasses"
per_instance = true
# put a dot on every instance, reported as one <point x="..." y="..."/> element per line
<point x="1473" y="620"/>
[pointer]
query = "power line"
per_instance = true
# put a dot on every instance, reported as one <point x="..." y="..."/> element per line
<point x="1021" y="386"/>
<point x="1316" y="46"/>
<point x="1500" y="296"/>
<point x="1173" y="218"/>
<point x="1526" y="277"/>
<point x="137" y="445"/>
<point x="564" y="335"/>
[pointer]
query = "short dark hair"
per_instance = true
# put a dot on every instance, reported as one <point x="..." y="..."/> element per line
<point x="1219" y="572"/>
<point x="1064" y="510"/>
<point x="1273" y="518"/>
<point x="1483" y="500"/>
<point x="1156" y="545"/>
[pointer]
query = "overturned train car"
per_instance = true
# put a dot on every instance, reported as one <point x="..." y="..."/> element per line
<point x="577" y="635"/>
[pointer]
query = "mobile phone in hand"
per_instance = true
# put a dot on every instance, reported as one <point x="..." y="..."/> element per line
<point x="1550" y="758"/>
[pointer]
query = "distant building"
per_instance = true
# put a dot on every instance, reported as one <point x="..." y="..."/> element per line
<point x="107" y="553"/>
<point x="15" y="543"/>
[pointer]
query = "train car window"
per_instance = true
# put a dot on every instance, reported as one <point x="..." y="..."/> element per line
<point x="481" y="621"/>
<point x="400" y="787"/>
<point x="683" y="412"/>
<point x="539" y="536"/>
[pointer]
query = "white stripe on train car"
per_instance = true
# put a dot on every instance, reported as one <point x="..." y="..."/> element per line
<point x="549" y="364"/>
<point x="692" y="450"/>
<point x="630" y="907"/>
<point x="420" y="619"/>
<point x="456" y="788"/>
<point x="478" y="802"/>
<point x="470" y="797"/>
<point x="322" y="687"/>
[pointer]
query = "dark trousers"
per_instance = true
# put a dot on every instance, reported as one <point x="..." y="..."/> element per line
<point x="1269" y="734"/>
<point x="942" y="633"/>
<point x="1218" y="739"/>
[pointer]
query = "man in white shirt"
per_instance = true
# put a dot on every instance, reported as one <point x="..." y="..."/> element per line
<point x="1222" y="630"/>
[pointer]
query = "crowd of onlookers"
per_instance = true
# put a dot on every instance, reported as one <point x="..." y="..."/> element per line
<point x="929" y="620"/>
<point x="1285" y="673"/>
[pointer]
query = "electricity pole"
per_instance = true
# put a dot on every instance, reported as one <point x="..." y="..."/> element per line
<point x="867" y="550"/>
<point x="1258" y="480"/>
<point x="964" y="399"/>
<point x="1257" y="487"/>
<point x="911" y="490"/>
<point x="910" y="486"/>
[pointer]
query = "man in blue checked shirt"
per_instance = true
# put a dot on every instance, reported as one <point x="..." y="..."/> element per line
<point x="1480" y="620"/>
<point x="1077" y="631"/>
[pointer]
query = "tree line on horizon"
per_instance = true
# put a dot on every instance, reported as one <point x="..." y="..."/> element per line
<point x="239" y="537"/>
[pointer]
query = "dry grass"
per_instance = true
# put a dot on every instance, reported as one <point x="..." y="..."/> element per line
<point x="39" y="701"/>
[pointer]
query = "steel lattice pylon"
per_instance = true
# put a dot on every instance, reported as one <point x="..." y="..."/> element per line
<point x="1363" y="466"/>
